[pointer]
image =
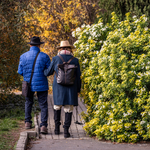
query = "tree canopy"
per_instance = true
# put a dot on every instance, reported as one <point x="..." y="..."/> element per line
<point x="55" y="20"/>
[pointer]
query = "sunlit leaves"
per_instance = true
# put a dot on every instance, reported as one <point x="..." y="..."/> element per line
<point x="115" y="77"/>
<point x="55" y="20"/>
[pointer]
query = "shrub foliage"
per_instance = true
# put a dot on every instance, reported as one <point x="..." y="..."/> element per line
<point x="121" y="7"/>
<point x="116" y="75"/>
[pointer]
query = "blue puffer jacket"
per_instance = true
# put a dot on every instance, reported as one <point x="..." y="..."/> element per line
<point x="39" y="81"/>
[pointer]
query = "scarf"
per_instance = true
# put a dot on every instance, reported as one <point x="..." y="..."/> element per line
<point x="65" y="52"/>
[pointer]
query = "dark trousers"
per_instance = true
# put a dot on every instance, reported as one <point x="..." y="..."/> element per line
<point x="42" y="99"/>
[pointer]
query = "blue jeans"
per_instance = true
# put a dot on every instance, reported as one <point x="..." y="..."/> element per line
<point x="42" y="99"/>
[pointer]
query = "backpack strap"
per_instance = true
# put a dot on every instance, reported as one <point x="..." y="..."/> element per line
<point x="70" y="60"/>
<point x="63" y="59"/>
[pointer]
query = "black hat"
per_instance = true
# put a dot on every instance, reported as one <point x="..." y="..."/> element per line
<point x="35" y="41"/>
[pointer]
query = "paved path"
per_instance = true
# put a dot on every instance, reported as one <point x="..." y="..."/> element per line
<point x="76" y="130"/>
<point x="86" y="144"/>
<point x="78" y="140"/>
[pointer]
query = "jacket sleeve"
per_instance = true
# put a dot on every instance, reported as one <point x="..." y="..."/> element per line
<point x="47" y="62"/>
<point x="78" y="78"/>
<point x="50" y="70"/>
<point x="20" y="67"/>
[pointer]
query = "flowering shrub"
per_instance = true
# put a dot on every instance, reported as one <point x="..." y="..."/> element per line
<point x="115" y="64"/>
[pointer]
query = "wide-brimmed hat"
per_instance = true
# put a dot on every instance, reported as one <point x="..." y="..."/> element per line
<point x="65" y="44"/>
<point x="35" y="41"/>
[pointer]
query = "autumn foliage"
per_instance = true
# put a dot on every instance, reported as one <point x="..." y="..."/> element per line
<point x="55" y="20"/>
<point x="12" y="43"/>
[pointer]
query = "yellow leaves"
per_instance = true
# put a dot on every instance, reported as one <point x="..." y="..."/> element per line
<point x="91" y="95"/>
<point x="134" y="137"/>
<point x="122" y="57"/>
<point x="56" y="19"/>
<point x="137" y="82"/>
<point x="78" y="5"/>
<point x="70" y="3"/>
<point x="93" y="5"/>
<point x="46" y="33"/>
<point x="127" y="126"/>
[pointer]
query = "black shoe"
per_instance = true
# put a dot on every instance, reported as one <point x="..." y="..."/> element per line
<point x="66" y="133"/>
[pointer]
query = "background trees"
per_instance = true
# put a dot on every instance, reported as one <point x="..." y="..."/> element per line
<point x="55" y="20"/>
<point x="12" y="42"/>
<point x="121" y="7"/>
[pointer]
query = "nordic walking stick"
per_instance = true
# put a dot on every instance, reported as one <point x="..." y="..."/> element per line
<point x="76" y="122"/>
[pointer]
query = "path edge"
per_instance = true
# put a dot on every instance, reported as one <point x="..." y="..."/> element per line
<point x="24" y="136"/>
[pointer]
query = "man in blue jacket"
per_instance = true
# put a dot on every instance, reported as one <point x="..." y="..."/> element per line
<point x="39" y="82"/>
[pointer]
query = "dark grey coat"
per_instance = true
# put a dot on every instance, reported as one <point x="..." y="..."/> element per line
<point x="64" y="95"/>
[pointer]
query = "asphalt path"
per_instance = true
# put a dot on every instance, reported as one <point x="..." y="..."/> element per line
<point x="84" y="144"/>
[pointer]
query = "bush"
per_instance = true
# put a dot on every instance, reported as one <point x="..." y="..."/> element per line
<point x="115" y="68"/>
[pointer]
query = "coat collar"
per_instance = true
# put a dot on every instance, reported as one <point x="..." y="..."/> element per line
<point x="34" y="48"/>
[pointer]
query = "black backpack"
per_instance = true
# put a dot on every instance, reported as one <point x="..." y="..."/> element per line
<point x="66" y="72"/>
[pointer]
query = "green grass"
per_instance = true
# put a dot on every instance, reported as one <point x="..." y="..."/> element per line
<point x="7" y="125"/>
<point x="10" y="118"/>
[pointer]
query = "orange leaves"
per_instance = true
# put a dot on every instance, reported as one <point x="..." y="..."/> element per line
<point x="56" y="19"/>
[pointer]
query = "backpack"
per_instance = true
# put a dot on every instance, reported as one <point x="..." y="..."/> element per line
<point x="66" y="72"/>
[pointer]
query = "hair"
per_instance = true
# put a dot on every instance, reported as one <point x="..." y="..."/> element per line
<point x="65" y="48"/>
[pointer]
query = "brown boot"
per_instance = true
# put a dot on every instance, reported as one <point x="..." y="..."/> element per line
<point x="28" y="125"/>
<point x="44" y="130"/>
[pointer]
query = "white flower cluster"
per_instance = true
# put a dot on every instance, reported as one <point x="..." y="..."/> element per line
<point x="142" y="122"/>
<point x="145" y="19"/>
<point x="134" y="17"/>
<point x="108" y="123"/>
<point x="100" y="96"/>
<point x="146" y="28"/>
<point x="136" y="90"/>
<point x="83" y="26"/>
<point x="112" y="106"/>
<point x="129" y="112"/>
<point x="127" y="126"/>
<point x="108" y="112"/>
<point x="143" y="113"/>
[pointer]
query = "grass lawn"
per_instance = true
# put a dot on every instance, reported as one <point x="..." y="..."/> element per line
<point x="11" y="121"/>
<point x="9" y="133"/>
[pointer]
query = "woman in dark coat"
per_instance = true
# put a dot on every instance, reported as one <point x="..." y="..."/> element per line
<point x="64" y="95"/>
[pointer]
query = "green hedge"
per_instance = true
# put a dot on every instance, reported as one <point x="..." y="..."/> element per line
<point x="115" y="64"/>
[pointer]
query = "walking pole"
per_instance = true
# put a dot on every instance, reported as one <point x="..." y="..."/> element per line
<point x="76" y="122"/>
